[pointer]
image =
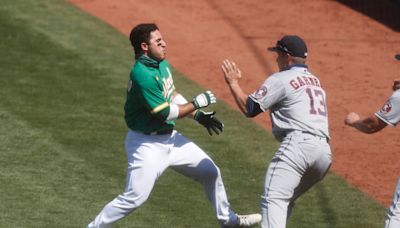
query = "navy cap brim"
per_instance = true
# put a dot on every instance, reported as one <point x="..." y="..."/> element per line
<point x="397" y="56"/>
<point x="272" y="49"/>
<point x="275" y="49"/>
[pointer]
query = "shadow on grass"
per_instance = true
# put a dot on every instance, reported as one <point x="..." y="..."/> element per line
<point x="386" y="12"/>
<point x="323" y="204"/>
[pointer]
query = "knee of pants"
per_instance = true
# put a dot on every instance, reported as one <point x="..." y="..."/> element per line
<point x="208" y="171"/>
<point x="267" y="201"/>
<point x="131" y="200"/>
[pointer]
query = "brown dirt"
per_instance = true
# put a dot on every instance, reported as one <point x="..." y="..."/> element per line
<point x="351" y="53"/>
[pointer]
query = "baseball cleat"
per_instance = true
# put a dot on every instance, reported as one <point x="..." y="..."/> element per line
<point x="249" y="220"/>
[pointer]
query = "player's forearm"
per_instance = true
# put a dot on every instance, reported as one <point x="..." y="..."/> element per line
<point x="178" y="99"/>
<point x="368" y="125"/>
<point x="187" y="109"/>
<point x="175" y="111"/>
<point x="240" y="97"/>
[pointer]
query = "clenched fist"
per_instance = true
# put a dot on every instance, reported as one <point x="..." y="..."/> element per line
<point x="351" y="118"/>
<point x="204" y="99"/>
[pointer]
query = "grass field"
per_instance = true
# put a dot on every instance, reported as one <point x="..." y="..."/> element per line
<point x="62" y="89"/>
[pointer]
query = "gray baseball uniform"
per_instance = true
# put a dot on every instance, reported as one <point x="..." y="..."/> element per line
<point x="297" y="106"/>
<point x="390" y="114"/>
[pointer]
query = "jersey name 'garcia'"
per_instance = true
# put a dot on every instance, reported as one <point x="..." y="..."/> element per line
<point x="149" y="94"/>
<point x="296" y="101"/>
<point x="390" y="111"/>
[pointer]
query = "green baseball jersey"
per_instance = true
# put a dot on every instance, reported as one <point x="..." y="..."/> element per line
<point x="149" y="94"/>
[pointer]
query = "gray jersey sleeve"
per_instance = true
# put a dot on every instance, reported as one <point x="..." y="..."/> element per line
<point x="271" y="92"/>
<point x="390" y="111"/>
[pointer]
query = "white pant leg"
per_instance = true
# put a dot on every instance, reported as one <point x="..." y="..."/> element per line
<point x="300" y="162"/>
<point x="393" y="214"/>
<point x="147" y="160"/>
<point x="279" y="185"/>
<point x="188" y="159"/>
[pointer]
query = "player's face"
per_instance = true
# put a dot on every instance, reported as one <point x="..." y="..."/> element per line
<point x="157" y="46"/>
<point x="283" y="60"/>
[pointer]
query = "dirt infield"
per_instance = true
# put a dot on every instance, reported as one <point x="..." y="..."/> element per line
<point x="351" y="53"/>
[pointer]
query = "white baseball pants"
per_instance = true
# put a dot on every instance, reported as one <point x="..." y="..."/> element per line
<point x="393" y="214"/>
<point x="301" y="161"/>
<point x="148" y="157"/>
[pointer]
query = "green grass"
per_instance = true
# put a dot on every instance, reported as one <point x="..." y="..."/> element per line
<point x="62" y="88"/>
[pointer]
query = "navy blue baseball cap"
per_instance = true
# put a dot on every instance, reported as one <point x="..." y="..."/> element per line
<point x="291" y="44"/>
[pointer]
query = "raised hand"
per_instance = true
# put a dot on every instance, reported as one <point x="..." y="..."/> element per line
<point x="232" y="73"/>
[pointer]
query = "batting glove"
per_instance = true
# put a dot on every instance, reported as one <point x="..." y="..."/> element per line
<point x="209" y="121"/>
<point x="204" y="99"/>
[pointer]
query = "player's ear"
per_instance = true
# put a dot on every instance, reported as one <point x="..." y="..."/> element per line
<point x="290" y="59"/>
<point x="144" y="46"/>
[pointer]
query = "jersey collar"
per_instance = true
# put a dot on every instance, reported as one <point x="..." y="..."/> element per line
<point x="296" y="66"/>
<point x="144" y="59"/>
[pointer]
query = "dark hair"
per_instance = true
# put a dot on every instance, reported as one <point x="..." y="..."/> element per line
<point x="139" y="34"/>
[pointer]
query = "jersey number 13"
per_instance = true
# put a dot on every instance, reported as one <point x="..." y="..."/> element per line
<point x="317" y="102"/>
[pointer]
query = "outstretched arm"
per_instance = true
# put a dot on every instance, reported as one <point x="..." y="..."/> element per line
<point x="207" y="119"/>
<point x="180" y="107"/>
<point x="367" y="125"/>
<point x="182" y="103"/>
<point x="232" y="76"/>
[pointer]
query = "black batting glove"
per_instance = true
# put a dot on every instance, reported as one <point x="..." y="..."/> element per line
<point x="209" y="121"/>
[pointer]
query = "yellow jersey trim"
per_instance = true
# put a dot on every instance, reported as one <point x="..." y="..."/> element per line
<point x="160" y="107"/>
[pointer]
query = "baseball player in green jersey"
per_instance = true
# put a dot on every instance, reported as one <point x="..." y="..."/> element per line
<point x="152" y="145"/>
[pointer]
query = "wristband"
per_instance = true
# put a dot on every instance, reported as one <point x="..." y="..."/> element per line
<point x="173" y="112"/>
<point x="179" y="100"/>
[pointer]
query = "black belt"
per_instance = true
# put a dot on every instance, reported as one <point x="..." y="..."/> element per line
<point x="160" y="132"/>
<point x="321" y="137"/>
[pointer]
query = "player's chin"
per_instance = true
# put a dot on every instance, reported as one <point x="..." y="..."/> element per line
<point x="159" y="58"/>
<point x="162" y="56"/>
